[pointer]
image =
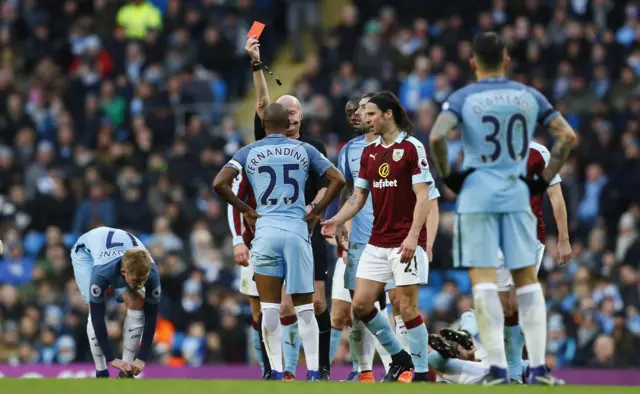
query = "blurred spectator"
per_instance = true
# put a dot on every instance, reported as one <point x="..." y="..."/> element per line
<point x="138" y="17"/>
<point x="120" y="113"/>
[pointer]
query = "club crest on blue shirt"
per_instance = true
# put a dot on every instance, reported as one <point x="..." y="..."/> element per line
<point x="397" y="154"/>
<point x="96" y="290"/>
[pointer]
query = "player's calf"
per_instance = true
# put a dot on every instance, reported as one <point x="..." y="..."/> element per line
<point x="340" y="317"/>
<point x="417" y="334"/>
<point x="323" y="319"/>
<point x="532" y="314"/>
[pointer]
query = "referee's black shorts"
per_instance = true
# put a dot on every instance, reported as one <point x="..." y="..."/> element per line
<point x="320" y="255"/>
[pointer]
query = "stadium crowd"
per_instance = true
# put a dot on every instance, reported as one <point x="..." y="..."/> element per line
<point x="108" y="118"/>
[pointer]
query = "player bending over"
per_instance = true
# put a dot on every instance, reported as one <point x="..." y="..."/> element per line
<point x="277" y="168"/>
<point x="498" y="117"/>
<point x="108" y="257"/>
<point x="396" y="170"/>
<point x="514" y="342"/>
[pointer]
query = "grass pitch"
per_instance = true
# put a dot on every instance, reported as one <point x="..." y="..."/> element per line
<point x="161" y="386"/>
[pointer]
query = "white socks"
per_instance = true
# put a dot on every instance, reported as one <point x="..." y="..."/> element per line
<point x="364" y="343"/>
<point x="401" y="333"/>
<point x="131" y="334"/>
<point x="272" y="334"/>
<point x="490" y="319"/>
<point x="309" y="335"/>
<point x="533" y="322"/>
<point x="385" y="357"/>
<point x="96" y="352"/>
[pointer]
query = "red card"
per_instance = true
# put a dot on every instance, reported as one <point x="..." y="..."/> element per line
<point x="256" y="30"/>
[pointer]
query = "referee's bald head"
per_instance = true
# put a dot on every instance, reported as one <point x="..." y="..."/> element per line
<point x="294" y="107"/>
<point x="276" y="119"/>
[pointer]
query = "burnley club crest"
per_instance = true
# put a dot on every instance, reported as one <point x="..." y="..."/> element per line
<point x="397" y="154"/>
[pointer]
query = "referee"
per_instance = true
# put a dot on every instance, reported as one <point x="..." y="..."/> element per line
<point x="314" y="191"/>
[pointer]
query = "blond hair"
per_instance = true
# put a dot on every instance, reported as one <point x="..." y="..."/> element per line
<point x="137" y="262"/>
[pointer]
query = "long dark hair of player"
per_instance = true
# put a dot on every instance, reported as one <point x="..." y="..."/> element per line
<point x="388" y="101"/>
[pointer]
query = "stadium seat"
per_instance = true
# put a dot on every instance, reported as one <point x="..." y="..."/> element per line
<point x="461" y="278"/>
<point x="426" y="298"/>
<point x="146" y="239"/>
<point x="436" y="279"/>
<point x="33" y="242"/>
<point x="70" y="239"/>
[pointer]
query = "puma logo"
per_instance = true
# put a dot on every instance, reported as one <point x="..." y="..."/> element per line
<point x="373" y="156"/>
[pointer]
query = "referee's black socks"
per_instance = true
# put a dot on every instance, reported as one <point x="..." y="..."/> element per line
<point x="324" y="326"/>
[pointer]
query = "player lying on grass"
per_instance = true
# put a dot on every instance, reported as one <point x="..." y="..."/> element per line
<point x="277" y="168"/>
<point x="459" y="357"/>
<point x="111" y="258"/>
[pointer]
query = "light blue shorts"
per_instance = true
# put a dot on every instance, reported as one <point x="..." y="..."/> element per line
<point x="479" y="236"/>
<point x="353" y="258"/>
<point x="281" y="253"/>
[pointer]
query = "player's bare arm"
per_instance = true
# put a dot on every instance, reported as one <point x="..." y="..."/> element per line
<point x="336" y="183"/>
<point x="252" y="47"/>
<point x="433" y="220"/>
<point x="353" y="205"/>
<point x="240" y="250"/>
<point x="342" y="231"/>
<point x="565" y="140"/>
<point x="560" y="214"/>
<point x="445" y="123"/>
<point x="346" y="192"/>
<point x="420" y="213"/>
<point x="222" y="186"/>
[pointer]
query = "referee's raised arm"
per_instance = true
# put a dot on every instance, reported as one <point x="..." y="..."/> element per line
<point x="260" y="83"/>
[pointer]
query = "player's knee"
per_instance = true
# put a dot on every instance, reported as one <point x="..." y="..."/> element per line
<point x="408" y="307"/>
<point x="286" y="309"/>
<point x="319" y="305"/>
<point x="360" y="309"/>
<point x="133" y="300"/>
<point x="524" y="276"/>
<point x="339" y="316"/>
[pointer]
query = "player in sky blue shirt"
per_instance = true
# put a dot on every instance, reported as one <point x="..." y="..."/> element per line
<point x="105" y="258"/>
<point x="498" y="117"/>
<point x="277" y="168"/>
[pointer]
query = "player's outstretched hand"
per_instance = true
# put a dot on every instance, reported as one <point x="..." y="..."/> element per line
<point x="241" y="254"/>
<point x="342" y="237"/>
<point x="564" y="251"/>
<point x="408" y="249"/>
<point x="536" y="186"/>
<point x="329" y="228"/>
<point x="137" y="365"/>
<point x="455" y="180"/>
<point x="253" y="49"/>
<point x="121" y="365"/>
<point x="251" y="217"/>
